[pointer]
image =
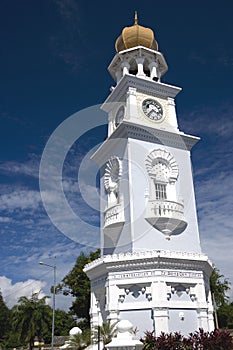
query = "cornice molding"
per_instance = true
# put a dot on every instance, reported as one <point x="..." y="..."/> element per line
<point x="152" y="259"/>
<point x="158" y="136"/>
<point x="129" y="129"/>
<point x="143" y="85"/>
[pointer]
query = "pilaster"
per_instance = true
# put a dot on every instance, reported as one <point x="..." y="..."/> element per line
<point x="160" y="318"/>
<point x="131" y="103"/>
<point x="172" y="112"/>
<point x="210" y="312"/>
<point x="203" y="319"/>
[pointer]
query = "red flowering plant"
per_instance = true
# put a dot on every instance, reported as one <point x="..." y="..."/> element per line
<point x="199" y="340"/>
<point x="216" y="340"/>
<point x="170" y="341"/>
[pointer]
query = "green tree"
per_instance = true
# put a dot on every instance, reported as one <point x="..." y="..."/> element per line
<point x="219" y="286"/>
<point x="77" y="284"/>
<point x="12" y="341"/>
<point x="64" y="321"/>
<point x="5" y="320"/>
<point x="225" y="316"/>
<point x="31" y="318"/>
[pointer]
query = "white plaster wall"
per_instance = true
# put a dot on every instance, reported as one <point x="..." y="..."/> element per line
<point x="144" y="235"/>
<point x="139" y="318"/>
<point x="124" y="242"/>
<point x="137" y="233"/>
<point x="187" y="325"/>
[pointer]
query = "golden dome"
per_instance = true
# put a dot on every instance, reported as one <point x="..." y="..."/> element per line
<point x="136" y="35"/>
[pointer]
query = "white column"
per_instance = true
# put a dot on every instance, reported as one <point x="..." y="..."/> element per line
<point x="159" y="293"/>
<point x="159" y="309"/>
<point x="200" y="293"/>
<point x="112" y="296"/>
<point x="172" y="112"/>
<point x="210" y="313"/>
<point x="131" y="103"/>
<point x="125" y="66"/>
<point x="110" y="123"/>
<point x="94" y="311"/>
<point x="140" y="61"/>
<point x="160" y="317"/>
<point x="202" y="306"/>
<point x="153" y="70"/>
<point x="203" y="319"/>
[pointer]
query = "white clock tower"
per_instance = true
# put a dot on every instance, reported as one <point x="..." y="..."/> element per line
<point x="152" y="271"/>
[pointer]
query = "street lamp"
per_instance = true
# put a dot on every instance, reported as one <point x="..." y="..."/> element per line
<point x="54" y="293"/>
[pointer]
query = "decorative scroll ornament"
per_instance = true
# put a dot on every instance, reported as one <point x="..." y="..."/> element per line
<point x="113" y="171"/>
<point x="162" y="166"/>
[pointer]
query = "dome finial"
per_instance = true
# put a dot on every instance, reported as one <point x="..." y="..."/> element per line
<point x="135" y="17"/>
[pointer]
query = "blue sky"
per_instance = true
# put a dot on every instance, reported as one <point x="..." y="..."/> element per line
<point x="53" y="64"/>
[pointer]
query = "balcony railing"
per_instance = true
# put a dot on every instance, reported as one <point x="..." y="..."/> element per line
<point x="114" y="215"/>
<point x="166" y="216"/>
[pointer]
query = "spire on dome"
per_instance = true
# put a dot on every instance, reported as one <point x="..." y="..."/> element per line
<point x="135" y="17"/>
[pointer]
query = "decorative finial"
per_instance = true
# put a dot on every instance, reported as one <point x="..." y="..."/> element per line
<point x="135" y="17"/>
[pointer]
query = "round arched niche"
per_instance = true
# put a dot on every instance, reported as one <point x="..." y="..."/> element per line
<point x="162" y="166"/>
<point x="112" y="174"/>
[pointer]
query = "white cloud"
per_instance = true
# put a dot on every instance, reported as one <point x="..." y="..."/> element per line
<point x="28" y="168"/>
<point x="219" y="249"/>
<point x="210" y="120"/>
<point x="212" y="163"/>
<point x="68" y="9"/>
<point x="20" y="199"/>
<point x="214" y="202"/>
<point x="5" y="219"/>
<point x="208" y="56"/>
<point x="64" y="43"/>
<point x="12" y="292"/>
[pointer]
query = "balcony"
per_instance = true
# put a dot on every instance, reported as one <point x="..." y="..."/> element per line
<point x="114" y="216"/>
<point x="166" y="216"/>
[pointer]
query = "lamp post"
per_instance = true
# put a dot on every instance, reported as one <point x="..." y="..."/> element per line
<point x="54" y="293"/>
<point x="98" y="334"/>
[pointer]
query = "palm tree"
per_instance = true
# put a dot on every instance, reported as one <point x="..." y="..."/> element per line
<point x="105" y="332"/>
<point x="219" y="287"/>
<point x="31" y="318"/>
<point x="80" y="341"/>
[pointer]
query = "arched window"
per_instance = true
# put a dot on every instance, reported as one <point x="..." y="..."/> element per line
<point x="163" y="171"/>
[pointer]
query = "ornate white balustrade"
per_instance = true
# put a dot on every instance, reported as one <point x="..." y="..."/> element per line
<point x="114" y="215"/>
<point x="166" y="216"/>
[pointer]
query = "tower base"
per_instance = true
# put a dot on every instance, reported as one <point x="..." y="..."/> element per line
<point x="157" y="290"/>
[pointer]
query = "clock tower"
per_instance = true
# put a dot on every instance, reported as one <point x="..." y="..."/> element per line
<point x="152" y="271"/>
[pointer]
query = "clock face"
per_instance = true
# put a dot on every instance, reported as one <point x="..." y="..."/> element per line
<point x="119" y="115"/>
<point x="152" y="109"/>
